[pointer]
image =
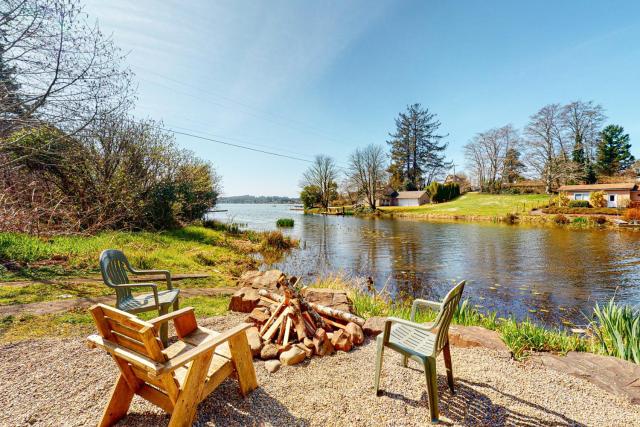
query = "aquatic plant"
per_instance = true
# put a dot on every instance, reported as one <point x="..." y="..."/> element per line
<point x="617" y="328"/>
<point x="284" y="222"/>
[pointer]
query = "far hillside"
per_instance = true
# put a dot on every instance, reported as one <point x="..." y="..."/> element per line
<point x="258" y="199"/>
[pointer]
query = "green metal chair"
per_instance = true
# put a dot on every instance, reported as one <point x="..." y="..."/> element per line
<point x="114" y="266"/>
<point x="422" y="342"/>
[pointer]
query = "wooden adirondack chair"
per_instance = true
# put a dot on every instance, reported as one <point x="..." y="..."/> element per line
<point x="175" y="378"/>
<point x="114" y="266"/>
<point x="422" y="342"/>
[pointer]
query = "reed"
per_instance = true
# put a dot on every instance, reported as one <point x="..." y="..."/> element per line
<point x="617" y="328"/>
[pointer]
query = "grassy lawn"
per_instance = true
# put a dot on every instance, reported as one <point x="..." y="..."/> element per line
<point x="475" y="205"/>
<point x="76" y="323"/>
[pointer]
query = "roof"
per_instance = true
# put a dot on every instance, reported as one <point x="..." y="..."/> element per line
<point x="410" y="194"/>
<point x="590" y="187"/>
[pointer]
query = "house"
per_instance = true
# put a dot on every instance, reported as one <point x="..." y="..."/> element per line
<point x="618" y="195"/>
<point x="387" y="197"/>
<point x="403" y="198"/>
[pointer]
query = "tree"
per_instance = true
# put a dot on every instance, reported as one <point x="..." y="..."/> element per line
<point x="512" y="167"/>
<point x="545" y="138"/>
<point x="367" y="172"/>
<point x="613" y="152"/>
<point x="310" y="196"/>
<point x="582" y="121"/>
<point x="322" y="174"/>
<point x="417" y="153"/>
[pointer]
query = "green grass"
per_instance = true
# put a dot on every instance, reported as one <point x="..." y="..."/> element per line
<point x="475" y="205"/>
<point x="78" y="322"/>
<point x="284" y="222"/>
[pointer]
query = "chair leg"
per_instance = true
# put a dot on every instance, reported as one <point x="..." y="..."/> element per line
<point x="176" y="304"/>
<point x="119" y="402"/>
<point x="243" y="362"/>
<point x="379" y="355"/>
<point x="184" y="411"/>
<point x="446" y="353"/>
<point x="164" y="328"/>
<point x="405" y="361"/>
<point x="432" y="387"/>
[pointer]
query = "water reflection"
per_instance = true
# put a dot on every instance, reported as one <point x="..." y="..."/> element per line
<point x="549" y="274"/>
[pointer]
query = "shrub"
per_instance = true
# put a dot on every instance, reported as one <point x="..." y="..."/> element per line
<point x="277" y="240"/>
<point x="632" y="215"/>
<point x="579" y="204"/>
<point x="561" y="200"/>
<point x="284" y="222"/>
<point x="600" y="220"/>
<point x="580" y="221"/>
<point x="598" y="200"/>
<point x="561" y="219"/>
<point x="443" y="192"/>
<point x="510" y="218"/>
<point x="581" y="211"/>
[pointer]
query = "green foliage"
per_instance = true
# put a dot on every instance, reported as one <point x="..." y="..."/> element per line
<point x="580" y="221"/>
<point x="284" y="222"/>
<point x="513" y="166"/>
<point x="597" y="199"/>
<point x="614" y="151"/>
<point x="525" y="337"/>
<point x="618" y="330"/>
<point x="443" y="192"/>
<point x="310" y="196"/>
<point x="579" y="204"/>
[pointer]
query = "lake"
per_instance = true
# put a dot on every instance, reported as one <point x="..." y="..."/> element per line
<point x="549" y="274"/>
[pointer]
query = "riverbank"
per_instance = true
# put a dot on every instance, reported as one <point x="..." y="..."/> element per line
<point x="491" y="390"/>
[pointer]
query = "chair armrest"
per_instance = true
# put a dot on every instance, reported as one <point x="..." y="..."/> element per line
<point x="170" y="316"/>
<point x="184" y="320"/>
<point x="153" y="287"/>
<point x="423" y="302"/>
<point x="167" y="274"/>
<point x="202" y="348"/>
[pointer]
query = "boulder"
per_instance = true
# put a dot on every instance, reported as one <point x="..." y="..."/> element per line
<point x="374" y="326"/>
<point x="272" y="365"/>
<point x="614" y="375"/>
<point x="332" y="298"/>
<point x="355" y="331"/>
<point x="244" y="300"/>
<point x="255" y="341"/>
<point x="260" y="279"/>
<point x="269" y="351"/>
<point x="476" y="336"/>
<point x="321" y="343"/>
<point x="293" y="356"/>
<point x="341" y="340"/>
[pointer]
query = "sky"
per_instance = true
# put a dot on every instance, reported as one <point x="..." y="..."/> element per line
<point x="325" y="77"/>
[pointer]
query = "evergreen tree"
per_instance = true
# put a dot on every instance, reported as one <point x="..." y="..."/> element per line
<point x="613" y="152"/>
<point x="417" y="155"/>
<point x="513" y="167"/>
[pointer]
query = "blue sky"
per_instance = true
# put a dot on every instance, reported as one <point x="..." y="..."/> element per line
<point x="303" y="78"/>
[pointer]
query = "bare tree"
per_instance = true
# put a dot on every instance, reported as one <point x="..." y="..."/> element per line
<point x="367" y="170"/>
<point x="56" y="68"/>
<point x="583" y="122"/>
<point x="322" y="174"/>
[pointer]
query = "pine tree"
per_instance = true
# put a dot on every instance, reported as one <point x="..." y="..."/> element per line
<point x="513" y="167"/>
<point x="417" y="156"/>
<point x="613" y="152"/>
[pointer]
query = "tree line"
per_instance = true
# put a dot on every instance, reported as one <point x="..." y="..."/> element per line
<point x="415" y="159"/>
<point x="560" y="144"/>
<point x="72" y="157"/>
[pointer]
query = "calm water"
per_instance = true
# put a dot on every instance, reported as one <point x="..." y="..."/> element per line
<point x="548" y="274"/>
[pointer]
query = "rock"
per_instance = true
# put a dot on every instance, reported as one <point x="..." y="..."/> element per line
<point x="244" y="300"/>
<point x="293" y="356"/>
<point x="357" y="336"/>
<point x="258" y="316"/>
<point x="321" y="343"/>
<point x="614" y="375"/>
<point x="476" y="336"/>
<point x="374" y="326"/>
<point x="332" y="298"/>
<point x="307" y="351"/>
<point x="283" y="348"/>
<point x="341" y="340"/>
<point x="269" y="351"/>
<point x="260" y="279"/>
<point x="272" y="365"/>
<point x="255" y="341"/>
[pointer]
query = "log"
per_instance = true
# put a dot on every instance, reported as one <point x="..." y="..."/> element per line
<point x="272" y="330"/>
<point x="291" y="293"/>
<point x="333" y="323"/>
<point x="271" y="319"/>
<point x="338" y="314"/>
<point x="287" y="330"/>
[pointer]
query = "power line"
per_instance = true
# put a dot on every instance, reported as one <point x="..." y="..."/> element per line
<point x="236" y="145"/>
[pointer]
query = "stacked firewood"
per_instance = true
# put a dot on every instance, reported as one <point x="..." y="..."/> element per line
<point x="289" y="319"/>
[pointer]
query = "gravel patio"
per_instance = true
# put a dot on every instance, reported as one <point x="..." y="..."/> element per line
<point x="62" y="383"/>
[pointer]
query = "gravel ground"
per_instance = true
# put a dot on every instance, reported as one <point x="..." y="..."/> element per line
<point x="61" y="382"/>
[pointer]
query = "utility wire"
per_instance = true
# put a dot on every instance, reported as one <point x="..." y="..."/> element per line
<point x="236" y="145"/>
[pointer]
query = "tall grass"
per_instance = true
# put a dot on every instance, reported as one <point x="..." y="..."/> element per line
<point x="618" y="330"/>
<point x="284" y="222"/>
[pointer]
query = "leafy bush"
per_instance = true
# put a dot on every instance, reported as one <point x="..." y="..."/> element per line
<point x="443" y="192"/>
<point x="579" y="204"/>
<point x="561" y="219"/>
<point x="598" y="200"/>
<point x="581" y="211"/>
<point x="561" y="200"/>
<point x="632" y="215"/>
<point x="284" y="222"/>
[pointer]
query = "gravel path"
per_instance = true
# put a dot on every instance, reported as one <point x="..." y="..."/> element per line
<point x="61" y="382"/>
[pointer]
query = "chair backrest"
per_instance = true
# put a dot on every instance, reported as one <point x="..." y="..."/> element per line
<point x="448" y="309"/>
<point x="113" y="266"/>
